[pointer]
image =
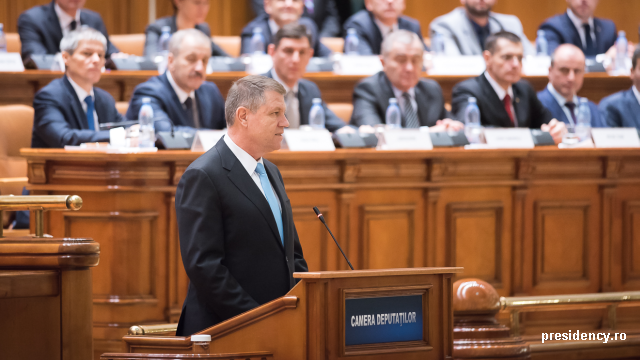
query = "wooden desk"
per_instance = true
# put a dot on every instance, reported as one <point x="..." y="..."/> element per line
<point x="530" y="222"/>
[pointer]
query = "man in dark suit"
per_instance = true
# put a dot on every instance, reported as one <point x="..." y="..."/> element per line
<point x="69" y="110"/>
<point x="420" y="100"/>
<point x="503" y="98"/>
<point x="577" y="26"/>
<point x="323" y="12"/>
<point x="622" y="109"/>
<point x="42" y="27"/>
<point x="280" y="13"/>
<point x="181" y="95"/>
<point x="291" y="52"/>
<point x="381" y="18"/>
<point x="238" y="242"/>
<point x="566" y="75"/>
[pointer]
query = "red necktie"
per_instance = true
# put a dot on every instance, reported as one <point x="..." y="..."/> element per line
<point x="507" y="106"/>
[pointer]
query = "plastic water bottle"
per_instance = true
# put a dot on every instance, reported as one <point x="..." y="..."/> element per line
<point x="621" y="52"/>
<point x="316" y="114"/>
<point x="437" y="44"/>
<point x="583" y="120"/>
<point x="163" y="48"/>
<point x="351" y="42"/>
<point x="147" y="130"/>
<point x="472" y="126"/>
<point x="393" y="118"/>
<point x="3" y="39"/>
<point x="542" y="46"/>
<point x="257" y="41"/>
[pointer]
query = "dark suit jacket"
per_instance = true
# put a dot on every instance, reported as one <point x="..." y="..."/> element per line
<point x="552" y="105"/>
<point x="167" y="107"/>
<point x="560" y="30"/>
<point x="59" y="119"/>
<point x="325" y="15"/>
<point x="154" y="31"/>
<point x="40" y="32"/>
<point x="307" y="91"/>
<point x="262" y="21"/>
<point x="621" y="109"/>
<point x="369" y="34"/>
<point x="371" y="99"/>
<point x="229" y="240"/>
<point x="529" y="110"/>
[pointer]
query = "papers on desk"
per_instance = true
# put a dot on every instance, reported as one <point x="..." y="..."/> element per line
<point x="11" y="62"/>
<point x="106" y="148"/>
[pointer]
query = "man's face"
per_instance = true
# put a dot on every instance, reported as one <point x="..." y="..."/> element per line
<point x="196" y="10"/>
<point x="635" y="75"/>
<point x="567" y="72"/>
<point x="290" y="58"/>
<point x="479" y="8"/>
<point x="505" y="65"/>
<point x="85" y="64"/>
<point x="403" y="64"/>
<point x="71" y="5"/>
<point x="265" y="126"/>
<point x="284" y="11"/>
<point x="583" y="8"/>
<point x="189" y="67"/>
<point x="386" y="10"/>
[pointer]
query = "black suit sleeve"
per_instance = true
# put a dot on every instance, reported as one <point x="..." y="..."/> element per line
<point x="201" y="228"/>
<point x="539" y="113"/>
<point x="29" y="38"/>
<point x="365" y="106"/>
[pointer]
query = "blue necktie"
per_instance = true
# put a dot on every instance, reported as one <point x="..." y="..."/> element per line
<point x="271" y="199"/>
<point x="590" y="46"/>
<point x="90" y="108"/>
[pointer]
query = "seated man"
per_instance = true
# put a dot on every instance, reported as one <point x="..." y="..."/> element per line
<point x="577" y="26"/>
<point x="278" y="14"/>
<point x="291" y="51"/>
<point x="42" y="27"/>
<point x="420" y="100"/>
<point x="503" y="98"/>
<point x="69" y="110"/>
<point x="323" y="12"/>
<point x="622" y="109"/>
<point x="566" y="75"/>
<point x="181" y="96"/>
<point x="381" y="18"/>
<point x="465" y="29"/>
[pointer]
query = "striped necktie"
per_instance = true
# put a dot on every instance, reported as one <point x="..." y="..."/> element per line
<point x="410" y="116"/>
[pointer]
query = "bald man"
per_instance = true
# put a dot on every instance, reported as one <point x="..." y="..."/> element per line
<point x="566" y="75"/>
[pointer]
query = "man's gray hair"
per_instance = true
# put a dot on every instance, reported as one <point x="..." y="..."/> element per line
<point x="399" y="36"/>
<point x="178" y="37"/>
<point x="70" y="42"/>
<point x="249" y="92"/>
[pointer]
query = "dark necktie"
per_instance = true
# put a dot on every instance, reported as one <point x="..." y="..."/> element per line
<point x="90" y="108"/>
<point x="590" y="49"/>
<point x="410" y="116"/>
<point x="188" y="106"/>
<point x="507" y="106"/>
<point x="572" y="109"/>
<point x="73" y="25"/>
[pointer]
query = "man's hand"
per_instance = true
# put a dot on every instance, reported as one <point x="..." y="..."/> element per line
<point x="556" y="128"/>
<point x="346" y="130"/>
<point x="447" y="125"/>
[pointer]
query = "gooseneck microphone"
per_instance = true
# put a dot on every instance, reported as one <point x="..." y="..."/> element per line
<point x="315" y="208"/>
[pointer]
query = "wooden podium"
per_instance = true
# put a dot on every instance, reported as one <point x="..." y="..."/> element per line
<point x="367" y="314"/>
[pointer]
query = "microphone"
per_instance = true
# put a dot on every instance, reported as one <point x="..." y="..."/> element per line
<point x="315" y="208"/>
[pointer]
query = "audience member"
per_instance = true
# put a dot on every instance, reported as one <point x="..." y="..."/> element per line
<point x="188" y="14"/>
<point x="377" y="21"/>
<point x="503" y="98"/>
<point x="69" y="110"/>
<point x="323" y="12"/>
<point x="622" y="109"/>
<point x="566" y="75"/>
<point x="280" y="13"/>
<point x="181" y="95"/>
<point x="465" y="29"/>
<point x="420" y="100"/>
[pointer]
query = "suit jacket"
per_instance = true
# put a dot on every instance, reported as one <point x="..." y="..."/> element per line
<point x="369" y="34"/>
<point x="167" y="107"/>
<point x="40" y="32"/>
<point x="325" y="15"/>
<point x="262" y="21"/>
<point x="547" y="99"/>
<point x="154" y="31"/>
<point x="529" y="110"/>
<point x="59" y="119"/>
<point x="621" y="109"/>
<point x="371" y="99"/>
<point x="307" y="91"/>
<point x="461" y="39"/>
<point x="560" y="30"/>
<point x="229" y="240"/>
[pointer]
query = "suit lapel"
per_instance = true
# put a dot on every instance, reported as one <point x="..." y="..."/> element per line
<point x="204" y="109"/>
<point x="556" y="108"/>
<point x="280" y="193"/>
<point x="634" y="105"/>
<point x="305" y="102"/>
<point x="385" y="94"/>
<point x="376" y="36"/>
<point x="521" y="106"/>
<point x="54" y="24"/>
<point x="80" y="117"/>
<point x="423" y="101"/>
<point x="502" y="118"/>
<point x="177" y="105"/>
<point x="575" y="35"/>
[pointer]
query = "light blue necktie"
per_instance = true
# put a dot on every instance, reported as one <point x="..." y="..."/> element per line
<point x="271" y="199"/>
<point x="90" y="108"/>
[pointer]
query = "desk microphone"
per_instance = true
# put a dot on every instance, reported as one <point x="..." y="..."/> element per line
<point x="315" y="208"/>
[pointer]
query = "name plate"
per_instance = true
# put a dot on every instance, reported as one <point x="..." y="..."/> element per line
<point x="259" y="64"/>
<point x="206" y="139"/>
<point x="457" y="65"/>
<point x="358" y="65"/>
<point x="536" y="65"/>
<point x="404" y="139"/>
<point x="615" y="138"/>
<point x="308" y="140"/>
<point x="519" y="138"/>
<point x="11" y="62"/>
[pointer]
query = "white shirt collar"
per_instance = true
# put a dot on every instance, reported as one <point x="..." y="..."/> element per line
<point x="559" y="98"/>
<point x="65" y="19"/>
<point x="636" y="93"/>
<point x="398" y="93"/>
<point x="273" y="27"/>
<point x="384" y="29"/>
<point x="277" y="78"/>
<point x="82" y="94"/>
<point x="498" y="89"/>
<point x="577" y="22"/>
<point x="182" y="95"/>
<point x="247" y="161"/>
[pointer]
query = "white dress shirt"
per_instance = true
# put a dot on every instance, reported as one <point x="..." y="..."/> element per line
<point x="65" y="19"/>
<point x="412" y="94"/>
<point x="577" y="22"/>
<point x="249" y="164"/>
<point x="636" y="93"/>
<point x="82" y="94"/>
<point x="292" y="101"/>
<point x="502" y="94"/>
<point x="183" y="96"/>
<point x="562" y="101"/>
<point x="273" y="26"/>
<point x="384" y="29"/>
